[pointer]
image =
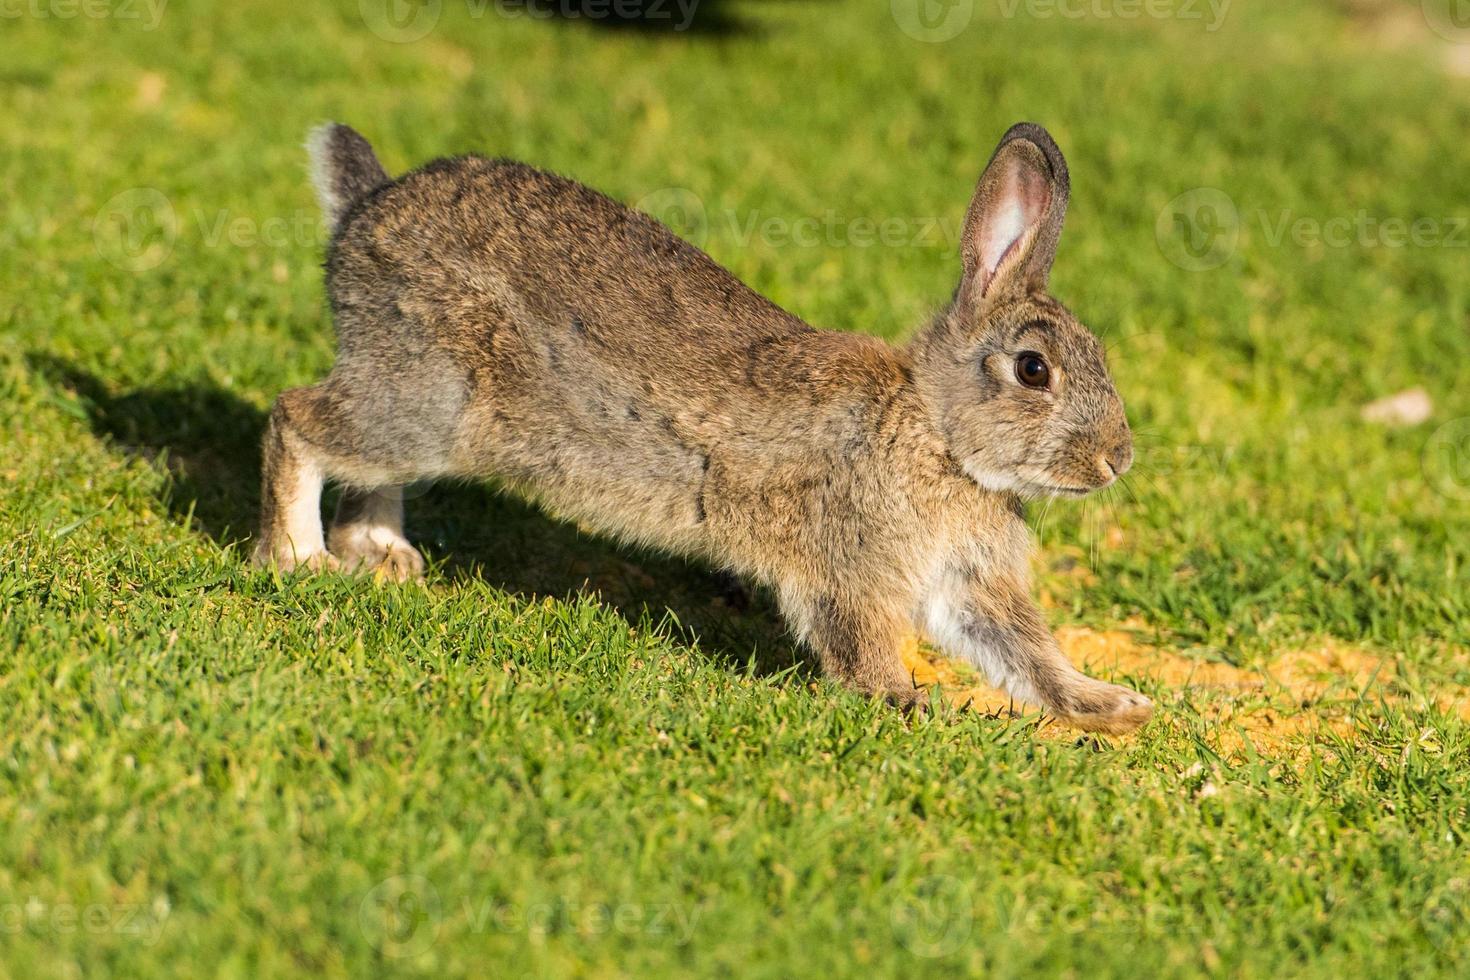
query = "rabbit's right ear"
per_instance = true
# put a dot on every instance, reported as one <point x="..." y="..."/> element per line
<point x="1015" y="219"/>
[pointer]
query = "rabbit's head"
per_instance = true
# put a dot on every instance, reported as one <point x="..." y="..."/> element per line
<point x="1018" y="387"/>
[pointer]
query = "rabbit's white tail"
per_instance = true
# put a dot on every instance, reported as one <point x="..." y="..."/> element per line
<point x="344" y="169"/>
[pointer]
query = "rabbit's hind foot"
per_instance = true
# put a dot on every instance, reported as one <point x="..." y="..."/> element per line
<point x="367" y="535"/>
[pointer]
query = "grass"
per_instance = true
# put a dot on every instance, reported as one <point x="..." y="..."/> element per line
<point x="565" y="758"/>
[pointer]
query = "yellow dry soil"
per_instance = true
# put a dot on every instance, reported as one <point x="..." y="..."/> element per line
<point x="1281" y="707"/>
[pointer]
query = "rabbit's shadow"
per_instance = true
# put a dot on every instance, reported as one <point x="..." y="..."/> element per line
<point x="659" y="18"/>
<point x="667" y="19"/>
<point x="210" y="440"/>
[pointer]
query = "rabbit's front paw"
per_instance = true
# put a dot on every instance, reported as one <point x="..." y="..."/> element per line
<point x="1107" y="708"/>
<point x="910" y="700"/>
<point x="287" y="559"/>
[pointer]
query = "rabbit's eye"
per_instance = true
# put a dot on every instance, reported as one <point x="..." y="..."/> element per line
<point x="1031" y="370"/>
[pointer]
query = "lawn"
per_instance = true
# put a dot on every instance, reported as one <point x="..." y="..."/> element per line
<point x="562" y="757"/>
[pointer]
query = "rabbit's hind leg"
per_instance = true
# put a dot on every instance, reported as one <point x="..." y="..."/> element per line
<point x="317" y="434"/>
<point x="292" y="475"/>
<point x="367" y="534"/>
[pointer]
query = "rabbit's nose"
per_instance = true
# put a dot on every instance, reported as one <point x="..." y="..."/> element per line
<point x="1116" y="461"/>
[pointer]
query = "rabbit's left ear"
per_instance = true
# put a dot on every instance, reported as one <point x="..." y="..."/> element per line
<point x="1015" y="219"/>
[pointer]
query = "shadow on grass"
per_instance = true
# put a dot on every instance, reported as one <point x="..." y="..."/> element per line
<point x="209" y="439"/>
<point x="659" y="18"/>
<point x="669" y="19"/>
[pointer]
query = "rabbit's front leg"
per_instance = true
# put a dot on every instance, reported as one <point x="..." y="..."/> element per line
<point x="991" y="622"/>
<point x="858" y="642"/>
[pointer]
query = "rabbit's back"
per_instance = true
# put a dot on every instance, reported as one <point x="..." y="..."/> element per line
<point x="533" y="328"/>
<point x="564" y="261"/>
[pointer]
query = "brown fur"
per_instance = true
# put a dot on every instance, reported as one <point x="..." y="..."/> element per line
<point x="495" y="320"/>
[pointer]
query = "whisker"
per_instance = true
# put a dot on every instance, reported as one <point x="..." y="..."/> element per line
<point x="1123" y="482"/>
<point x="1042" y="520"/>
<point x="1089" y="533"/>
<point x="1106" y="516"/>
<point x="1145" y="475"/>
<point x="1111" y="343"/>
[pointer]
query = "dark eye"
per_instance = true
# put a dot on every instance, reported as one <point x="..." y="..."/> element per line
<point x="1031" y="370"/>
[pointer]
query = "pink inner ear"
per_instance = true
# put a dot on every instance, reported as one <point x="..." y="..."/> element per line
<point x="1017" y="211"/>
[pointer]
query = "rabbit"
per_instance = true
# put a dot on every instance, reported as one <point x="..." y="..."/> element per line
<point x="497" y="321"/>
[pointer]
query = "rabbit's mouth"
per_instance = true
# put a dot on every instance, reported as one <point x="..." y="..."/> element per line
<point x="1042" y="483"/>
<point x="1061" y="480"/>
<point x="1058" y="490"/>
<point x="1026" y="485"/>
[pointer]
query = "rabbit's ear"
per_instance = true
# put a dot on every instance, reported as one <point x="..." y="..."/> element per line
<point x="1015" y="219"/>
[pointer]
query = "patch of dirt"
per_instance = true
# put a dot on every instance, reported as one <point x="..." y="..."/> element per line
<point x="1282" y="706"/>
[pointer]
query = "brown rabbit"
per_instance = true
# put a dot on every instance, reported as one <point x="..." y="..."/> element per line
<point x="494" y="320"/>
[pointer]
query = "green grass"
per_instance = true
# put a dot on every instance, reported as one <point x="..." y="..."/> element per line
<point x="205" y="769"/>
